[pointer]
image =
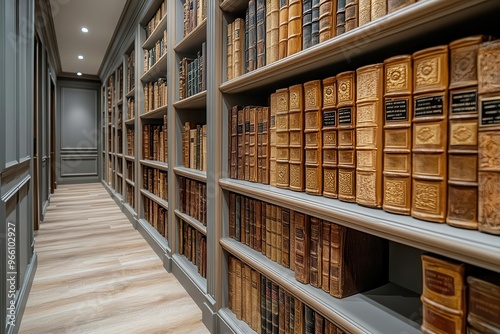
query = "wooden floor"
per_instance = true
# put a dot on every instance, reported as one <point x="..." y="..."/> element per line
<point x="96" y="274"/>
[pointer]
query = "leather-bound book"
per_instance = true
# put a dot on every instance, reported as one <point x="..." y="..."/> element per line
<point x="302" y="243"/>
<point x="246" y="298"/>
<point x="263" y="232"/>
<point x="398" y="106"/>
<point x="378" y="9"/>
<point x="272" y="139"/>
<point x="369" y="133"/>
<point x="296" y="133"/>
<point x="259" y="144"/>
<point x="393" y="5"/>
<point x="285" y="237"/>
<point x="293" y="218"/>
<point x="443" y="295"/>
<point x="346" y="112"/>
<point x="237" y="218"/>
<point x="351" y="14"/>
<point x="315" y="252"/>
<point x="261" y="33"/>
<point x="315" y="22"/>
<point x="279" y="235"/>
<point x="232" y="215"/>
<point x="258" y="225"/>
<point x="238" y="288"/>
<point x="299" y="321"/>
<point x="252" y="155"/>
<point x="294" y="27"/>
<point x="282" y="139"/>
<point x="325" y="256"/>
<point x="238" y="47"/>
<point x="283" y="29"/>
<point x="265" y="156"/>
<point x="231" y="273"/>
<point x="241" y="144"/>
<point x="246" y="138"/>
<point x="483" y="303"/>
<point x="462" y="142"/>
<point x="272" y="30"/>
<point x="319" y="323"/>
<point x="251" y="223"/>
<point x="274" y="233"/>
<point x="329" y="138"/>
<point x="340" y="17"/>
<point x="269" y="230"/>
<point x="327" y="15"/>
<point x="309" y="321"/>
<point x="430" y="102"/>
<point x="312" y="134"/>
<point x="287" y="312"/>
<point x="247" y="221"/>
<point x="233" y="146"/>
<point x="281" y="309"/>
<point x="489" y="137"/>
<point x="306" y="24"/>
<point x="192" y="148"/>
<point x="263" y="300"/>
<point x="255" y="301"/>
<point x="269" y="306"/>
<point x="230" y="51"/>
<point x="275" y="308"/>
<point x="252" y="35"/>
<point x="365" y="11"/>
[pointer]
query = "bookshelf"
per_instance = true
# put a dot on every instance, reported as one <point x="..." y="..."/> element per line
<point x="129" y="125"/>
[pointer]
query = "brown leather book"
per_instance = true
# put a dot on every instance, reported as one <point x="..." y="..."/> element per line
<point x="269" y="230"/>
<point x="263" y="146"/>
<point x="296" y="133"/>
<point x="272" y="139"/>
<point x="238" y="290"/>
<point x="325" y="256"/>
<point x="282" y="139"/>
<point x="263" y="301"/>
<point x="275" y="307"/>
<point x="272" y="30"/>
<point x="327" y="16"/>
<point x="233" y="146"/>
<point x="351" y="14"/>
<point x="252" y="142"/>
<point x="306" y="24"/>
<point x="398" y="106"/>
<point x="299" y="326"/>
<point x="259" y="144"/>
<point x="319" y="323"/>
<point x="329" y="136"/>
<point x="274" y="234"/>
<point x="252" y="35"/>
<point x="279" y="236"/>
<point x="281" y="309"/>
<point x="255" y="301"/>
<point x="261" y="33"/>
<point x="292" y="238"/>
<point x="315" y="252"/>
<point x="294" y="27"/>
<point x="302" y="243"/>
<point x="462" y="142"/>
<point x="283" y="29"/>
<point x="443" y="295"/>
<point x="309" y="320"/>
<point x="232" y="215"/>
<point x="346" y="111"/>
<point x="358" y="261"/>
<point x="241" y="144"/>
<point x="230" y="51"/>
<point x="238" y="47"/>
<point x="489" y="137"/>
<point x="365" y="11"/>
<point x="287" y="313"/>
<point x="369" y="133"/>
<point x="483" y="303"/>
<point x="263" y="230"/>
<point x="246" y="298"/>
<point x="340" y="17"/>
<point x="192" y="148"/>
<point x="246" y="138"/>
<point x="393" y="5"/>
<point x="378" y="9"/>
<point x="312" y="133"/>
<point x="285" y="237"/>
<point x="251" y="223"/>
<point x="258" y="225"/>
<point x="430" y="101"/>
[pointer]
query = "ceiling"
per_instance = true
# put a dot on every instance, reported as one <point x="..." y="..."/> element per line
<point x="70" y="16"/>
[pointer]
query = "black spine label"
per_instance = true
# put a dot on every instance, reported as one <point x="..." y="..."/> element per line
<point x="396" y="110"/>
<point x="429" y="106"/>
<point x="345" y="116"/>
<point x="329" y="118"/>
<point x="464" y="102"/>
<point x="490" y="112"/>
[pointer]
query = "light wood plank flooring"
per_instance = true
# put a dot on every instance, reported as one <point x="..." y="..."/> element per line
<point x="96" y="274"/>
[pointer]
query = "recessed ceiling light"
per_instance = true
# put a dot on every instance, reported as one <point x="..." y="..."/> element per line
<point x="85" y="29"/>
<point x="79" y="73"/>
<point x="80" y="57"/>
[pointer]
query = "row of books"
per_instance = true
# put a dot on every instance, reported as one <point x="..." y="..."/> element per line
<point x="193" y="199"/>
<point x="130" y="141"/>
<point x="156" y="215"/>
<point x="194" y="146"/>
<point x="155" y="181"/>
<point x="119" y="134"/>
<point x="111" y="96"/>
<point x="156" y="19"/>
<point x="457" y="298"/>
<point x="130" y="195"/>
<point x="195" y="11"/>
<point x="155" y="141"/>
<point x="155" y="95"/>
<point x="130" y="108"/>
<point x="193" y="245"/>
<point x="153" y="55"/>
<point x="130" y="171"/>
<point x="131" y="72"/>
<point x="192" y="74"/>
<point x="403" y="135"/>
<point x="119" y="82"/>
<point x="268" y="308"/>
<point x="318" y="251"/>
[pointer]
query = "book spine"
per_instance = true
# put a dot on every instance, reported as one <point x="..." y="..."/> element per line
<point x="252" y="142"/>
<point x="365" y="11"/>
<point x="302" y="243"/>
<point x="340" y="17"/>
<point x="268" y="26"/>
<point x="269" y="306"/>
<point x="306" y="24"/>
<point x="483" y="303"/>
<point x="264" y="227"/>
<point x="246" y="299"/>
<point x="393" y="5"/>
<point x="272" y="52"/>
<point x="313" y="139"/>
<point x="275" y="308"/>
<point x="283" y="29"/>
<point x="294" y="27"/>
<point x="258" y="226"/>
<point x="351" y="14"/>
<point x="378" y="9"/>
<point x="292" y="239"/>
<point x="237" y="218"/>
<point x="238" y="47"/>
<point x="296" y="135"/>
<point x="269" y="231"/>
<point x="326" y="19"/>
<point x="263" y="299"/>
<point x="325" y="256"/>
<point x="299" y="326"/>
<point x="255" y="302"/>
<point x="274" y="233"/>
<point x="261" y="33"/>
<point x="279" y="236"/>
<point x="252" y="35"/>
<point x="281" y="310"/>
<point x="230" y="51"/>
<point x="315" y="253"/>
<point x="246" y="136"/>
<point x="272" y="139"/>
<point x="309" y="320"/>
<point x="329" y="121"/>
<point x="282" y="139"/>
<point x="265" y="146"/>
<point x="285" y="236"/>
<point x="232" y="215"/>
<point x="315" y="22"/>
<point x="238" y="290"/>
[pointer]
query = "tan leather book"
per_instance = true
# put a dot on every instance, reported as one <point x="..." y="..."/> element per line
<point x="483" y="303"/>
<point x="296" y="133"/>
<point x="259" y="144"/>
<point x="230" y="51"/>
<point x="378" y="9"/>
<point x="327" y="15"/>
<point x="281" y="309"/>
<point x="292" y="238"/>
<point x="489" y="137"/>
<point x="346" y="111"/>
<point x="279" y="235"/>
<point x="252" y="142"/>
<point x="238" y="47"/>
<point x="299" y="326"/>
<point x="302" y="243"/>
<point x="238" y="290"/>
<point x="462" y="139"/>
<point x="263" y="230"/>
<point x="261" y="33"/>
<point x="233" y="145"/>
<point x="282" y="139"/>
<point x="258" y="225"/>
<point x="285" y="237"/>
<point x="231" y="273"/>
<point x="398" y="112"/>
<point x="369" y="133"/>
<point x="294" y="27"/>
<point x="329" y="138"/>
<point x="443" y="295"/>
<point x="269" y="230"/>
<point x="313" y="139"/>
<point x="283" y="29"/>
<point x="255" y="301"/>
<point x="430" y="101"/>
<point x="272" y="31"/>
<point x="246" y="298"/>
<point x="192" y="148"/>
<point x="351" y="14"/>
<point x="274" y="234"/>
<point x="265" y="146"/>
<point x="393" y="5"/>
<point x="365" y="11"/>
<point x="241" y="144"/>
<point x="272" y="139"/>
<point x="325" y="256"/>
<point x="315" y="252"/>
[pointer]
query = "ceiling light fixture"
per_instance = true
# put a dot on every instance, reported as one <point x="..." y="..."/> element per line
<point x="79" y="74"/>
<point x="80" y="57"/>
<point x="85" y="29"/>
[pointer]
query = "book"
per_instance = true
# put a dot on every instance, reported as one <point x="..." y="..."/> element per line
<point x="430" y="100"/>
<point x="272" y="30"/>
<point x="285" y="237"/>
<point x="489" y="137"/>
<point x="238" y="47"/>
<point x="483" y="306"/>
<point x="398" y="112"/>
<point x="263" y="301"/>
<point x="294" y="27"/>
<point x="351" y="14"/>
<point x="369" y="133"/>
<point x="230" y="51"/>
<point x="252" y="142"/>
<point x="241" y="144"/>
<point x="283" y="29"/>
<point x="315" y="252"/>
<point x="365" y="11"/>
<point x="325" y="256"/>
<point x="462" y="142"/>
<point x="246" y="138"/>
<point x="282" y="139"/>
<point x="261" y="33"/>
<point x="252" y="35"/>
<point x="281" y="309"/>
<point x="296" y="135"/>
<point x="231" y="287"/>
<point x="378" y="9"/>
<point x="265" y="149"/>
<point x="232" y="215"/>
<point x="275" y="307"/>
<point x="313" y="137"/>
<point x="340" y="17"/>
<point x="272" y="139"/>
<point x="315" y="22"/>
<point x="393" y="5"/>
<point x="293" y="218"/>
<point x="346" y="111"/>
<point x="302" y="243"/>
<point x="327" y="18"/>
<point x="246" y="298"/>
<point x="299" y="323"/>
<point x="329" y="138"/>
<point x="309" y="320"/>
<point x="255" y="300"/>
<point x="238" y="291"/>
<point x="306" y="24"/>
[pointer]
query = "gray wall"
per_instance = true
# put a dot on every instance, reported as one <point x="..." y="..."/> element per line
<point x="78" y="158"/>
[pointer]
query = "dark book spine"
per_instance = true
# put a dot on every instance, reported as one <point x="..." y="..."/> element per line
<point x="261" y="33"/>
<point x="237" y="222"/>
<point x="309" y="320"/>
<point x="252" y="35"/>
<point x="263" y="300"/>
<point x="340" y="29"/>
<point x="306" y="23"/>
<point x="275" y="308"/>
<point x="232" y="215"/>
<point x="315" y="22"/>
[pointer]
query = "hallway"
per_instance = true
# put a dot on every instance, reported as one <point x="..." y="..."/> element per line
<point x="96" y="274"/>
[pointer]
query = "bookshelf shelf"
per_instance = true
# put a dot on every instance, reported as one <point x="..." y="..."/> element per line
<point x="130" y="183"/>
<point x="234" y="6"/>
<point x="390" y="30"/>
<point x="191" y="271"/>
<point x="119" y="155"/>
<point x="155" y="198"/>
<point x="465" y="245"/>
<point x="193" y="40"/>
<point x="158" y="70"/>
<point x="119" y="175"/>
<point x="191" y="221"/>
<point x="130" y="121"/>
<point x="155" y="113"/>
<point x="131" y="93"/>
<point x="157" y="34"/>
<point x="197" y="101"/>
<point x="153" y="237"/>
<point x="360" y="313"/>
<point x="155" y="164"/>
<point x="194" y="174"/>
<point x="234" y="324"/>
<point x="129" y="157"/>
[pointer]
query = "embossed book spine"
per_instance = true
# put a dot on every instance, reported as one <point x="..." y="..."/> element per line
<point x="283" y="29"/>
<point x="272" y="139"/>
<point x="489" y="137"/>
<point x="369" y="132"/>
<point x="378" y="9"/>
<point x="306" y="24"/>
<point x="462" y="142"/>
<point x="351" y="14"/>
<point x="393" y="5"/>
<point x="259" y="144"/>
<point x="315" y="22"/>
<point x="329" y="138"/>
<point x="312" y="134"/>
<point x="346" y="112"/>
<point x="430" y="101"/>
<point x="294" y="27"/>
<point x="252" y="35"/>
<point x="255" y="310"/>
<point x="230" y="51"/>
<point x="325" y="256"/>
<point x="302" y="242"/>
<point x="282" y="139"/>
<point x="443" y="295"/>
<point x="365" y="11"/>
<point x="285" y="237"/>
<point x="484" y="303"/>
<point x="261" y="33"/>
<point x="238" y="47"/>
<point x="296" y="132"/>
<point x="327" y="15"/>
<point x="241" y="144"/>
<point x="252" y="155"/>
<point x="315" y="252"/>
<point x="340" y="17"/>
<point x="398" y="106"/>
<point x="265" y="150"/>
